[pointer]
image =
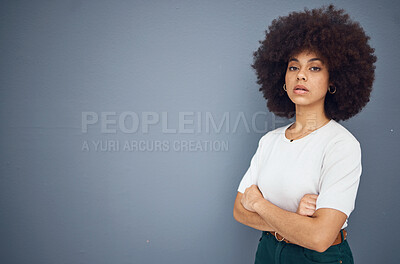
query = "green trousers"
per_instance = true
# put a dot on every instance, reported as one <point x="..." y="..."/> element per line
<point x="272" y="251"/>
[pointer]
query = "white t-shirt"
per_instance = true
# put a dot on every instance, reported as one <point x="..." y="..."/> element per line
<point x="326" y="162"/>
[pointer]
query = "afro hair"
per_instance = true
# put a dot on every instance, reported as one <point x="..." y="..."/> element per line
<point x="330" y="33"/>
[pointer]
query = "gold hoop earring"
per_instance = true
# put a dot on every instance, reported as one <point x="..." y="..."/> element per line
<point x="329" y="89"/>
<point x="284" y="87"/>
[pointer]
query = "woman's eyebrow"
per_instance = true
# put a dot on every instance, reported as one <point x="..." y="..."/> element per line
<point x="310" y="60"/>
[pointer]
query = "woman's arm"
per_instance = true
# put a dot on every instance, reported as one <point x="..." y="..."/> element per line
<point x="244" y="216"/>
<point x="316" y="233"/>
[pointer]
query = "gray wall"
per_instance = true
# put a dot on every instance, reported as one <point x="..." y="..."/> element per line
<point x="145" y="69"/>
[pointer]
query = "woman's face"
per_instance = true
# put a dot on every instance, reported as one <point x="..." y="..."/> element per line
<point x="307" y="69"/>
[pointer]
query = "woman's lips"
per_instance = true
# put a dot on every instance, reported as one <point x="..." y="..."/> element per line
<point x="300" y="89"/>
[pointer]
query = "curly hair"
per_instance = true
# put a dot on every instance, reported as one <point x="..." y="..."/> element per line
<point x="330" y="33"/>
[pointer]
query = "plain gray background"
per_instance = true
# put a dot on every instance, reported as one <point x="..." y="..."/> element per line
<point x="60" y="203"/>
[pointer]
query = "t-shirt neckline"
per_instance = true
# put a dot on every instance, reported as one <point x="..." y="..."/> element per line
<point x="303" y="138"/>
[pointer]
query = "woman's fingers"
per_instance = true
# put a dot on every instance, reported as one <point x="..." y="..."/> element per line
<point x="310" y="212"/>
<point x="307" y="212"/>
<point x="307" y="204"/>
<point x="311" y="196"/>
<point x="313" y="202"/>
<point x="310" y="206"/>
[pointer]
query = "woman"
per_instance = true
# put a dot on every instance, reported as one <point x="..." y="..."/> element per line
<point x="302" y="181"/>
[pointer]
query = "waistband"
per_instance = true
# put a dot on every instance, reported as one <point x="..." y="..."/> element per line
<point x="342" y="235"/>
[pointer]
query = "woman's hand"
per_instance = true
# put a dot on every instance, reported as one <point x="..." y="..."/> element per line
<point x="250" y="196"/>
<point x="307" y="205"/>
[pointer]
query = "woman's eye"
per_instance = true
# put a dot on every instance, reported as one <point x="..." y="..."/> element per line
<point x="293" y="68"/>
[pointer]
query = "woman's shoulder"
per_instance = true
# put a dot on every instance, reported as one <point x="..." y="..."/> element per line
<point x="338" y="132"/>
<point x="342" y="141"/>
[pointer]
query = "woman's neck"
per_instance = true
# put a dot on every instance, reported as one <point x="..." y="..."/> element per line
<point x="309" y="119"/>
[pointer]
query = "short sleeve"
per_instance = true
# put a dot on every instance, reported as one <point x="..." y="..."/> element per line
<point x="251" y="175"/>
<point x="340" y="176"/>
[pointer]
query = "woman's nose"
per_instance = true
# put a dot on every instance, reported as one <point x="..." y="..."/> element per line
<point x="301" y="75"/>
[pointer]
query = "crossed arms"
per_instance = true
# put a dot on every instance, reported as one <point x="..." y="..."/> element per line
<point x="310" y="228"/>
